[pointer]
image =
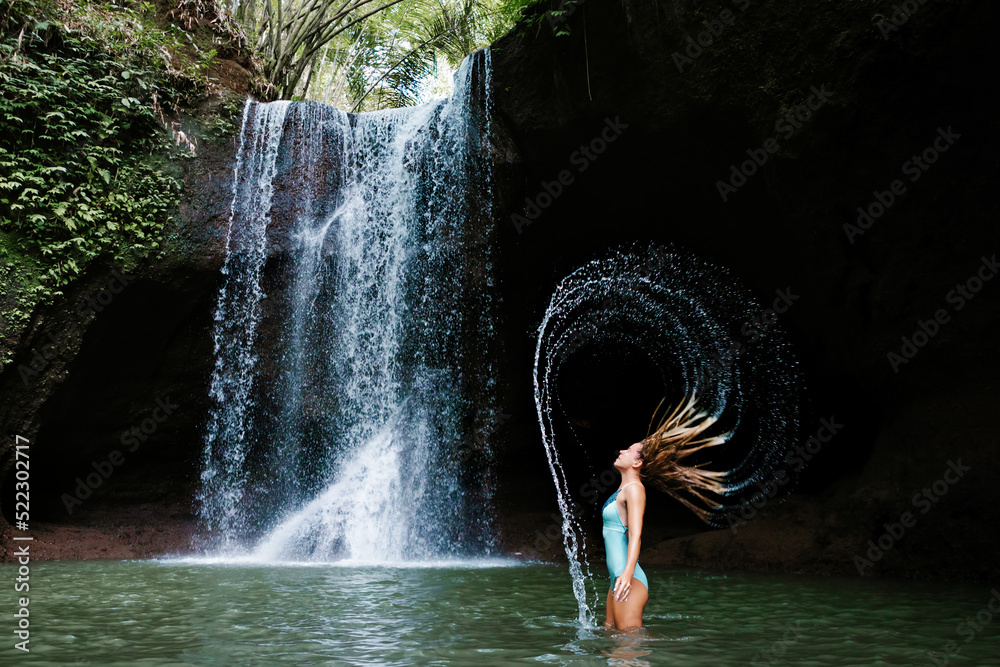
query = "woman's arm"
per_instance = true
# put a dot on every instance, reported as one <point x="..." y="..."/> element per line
<point x="635" y="506"/>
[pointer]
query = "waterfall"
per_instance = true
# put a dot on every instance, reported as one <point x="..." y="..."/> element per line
<point x="238" y="313"/>
<point x="353" y="334"/>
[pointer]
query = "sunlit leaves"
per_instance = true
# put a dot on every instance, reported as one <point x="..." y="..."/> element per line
<point x="367" y="54"/>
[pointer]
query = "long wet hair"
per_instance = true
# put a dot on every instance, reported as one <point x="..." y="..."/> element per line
<point x="664" y="452"/>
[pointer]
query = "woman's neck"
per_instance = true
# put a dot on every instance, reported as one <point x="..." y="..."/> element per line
<point x="629" y="476"/>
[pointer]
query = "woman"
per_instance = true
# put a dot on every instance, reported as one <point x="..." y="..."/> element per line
<point x="657" y="459"/>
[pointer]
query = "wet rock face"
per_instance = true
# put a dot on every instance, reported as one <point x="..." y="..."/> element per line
<point x="112" y="349"/>
<point x="816" y="151"/>
<point x="773" y="147"/>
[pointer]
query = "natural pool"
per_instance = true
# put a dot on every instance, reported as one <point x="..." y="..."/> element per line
<point x="184" y="612"/>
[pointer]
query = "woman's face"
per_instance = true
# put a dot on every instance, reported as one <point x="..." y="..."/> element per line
<point x="628" y="457"/>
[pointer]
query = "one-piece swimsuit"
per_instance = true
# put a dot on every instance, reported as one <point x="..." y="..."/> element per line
<point x="616" y="541"/>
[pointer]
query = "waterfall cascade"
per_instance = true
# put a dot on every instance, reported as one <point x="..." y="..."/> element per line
<point x="351" y="385"/>
<point x="703" y="334"/>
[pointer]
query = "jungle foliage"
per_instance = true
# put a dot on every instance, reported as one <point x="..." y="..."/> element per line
<point x="88" y="159"/>
<point x="370" y="54"/>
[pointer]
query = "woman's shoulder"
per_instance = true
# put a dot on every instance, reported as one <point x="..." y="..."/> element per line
<point x="637" y="488"/>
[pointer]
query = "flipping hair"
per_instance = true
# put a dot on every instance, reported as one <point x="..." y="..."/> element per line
<point x="663" y="455"/>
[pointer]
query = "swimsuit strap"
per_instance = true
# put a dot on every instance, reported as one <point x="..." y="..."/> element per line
<point x="629" y="484"/>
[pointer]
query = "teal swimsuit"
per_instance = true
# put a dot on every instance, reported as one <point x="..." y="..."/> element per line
<point x="616" y="542"/>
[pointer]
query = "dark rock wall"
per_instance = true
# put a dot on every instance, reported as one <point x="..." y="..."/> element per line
<point x="673" y="128"/>
<point x="687" y="123"/>
<point x="125" y="360"/>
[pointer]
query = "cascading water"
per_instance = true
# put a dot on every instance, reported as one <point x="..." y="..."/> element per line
<point x="345" y="400"/>
<point x="703" y="334"/>
<point x="237" y="315"/>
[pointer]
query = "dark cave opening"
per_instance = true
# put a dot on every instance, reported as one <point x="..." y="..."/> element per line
<point x="123" y="429"/>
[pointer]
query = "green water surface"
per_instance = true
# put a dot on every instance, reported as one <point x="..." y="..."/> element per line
<point x="196" y="613"/>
